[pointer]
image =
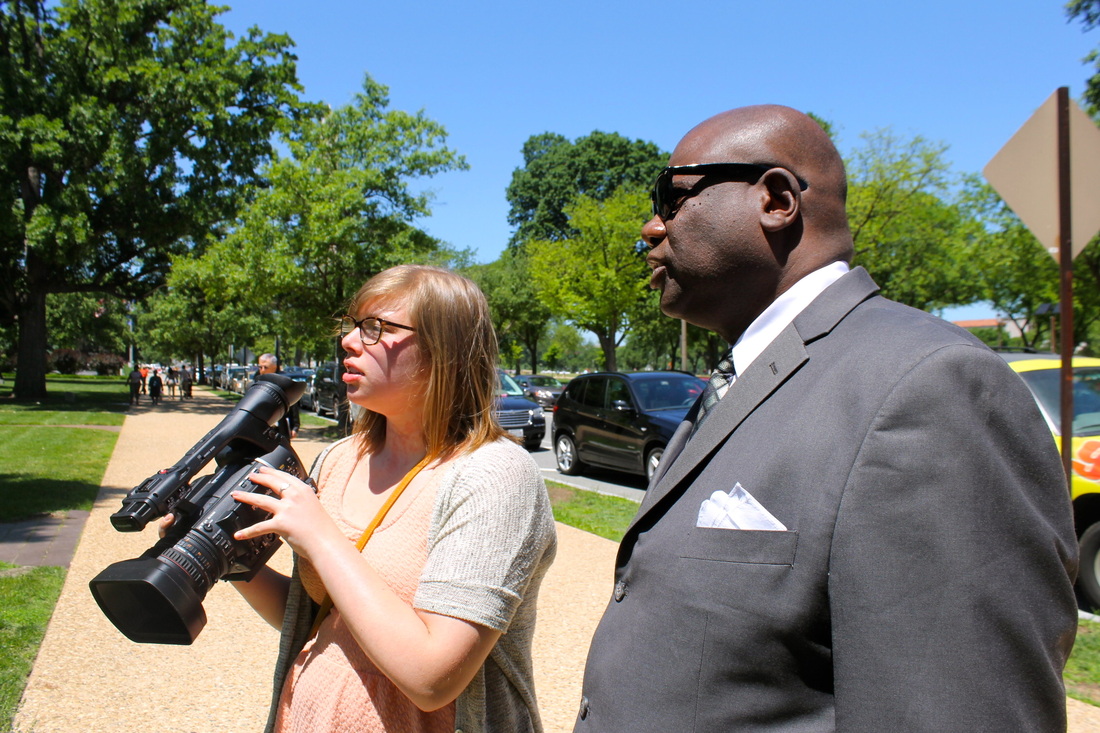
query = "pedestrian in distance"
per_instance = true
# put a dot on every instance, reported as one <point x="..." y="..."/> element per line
<point x="185" y="382"/>
<point x="863" y="523"/>
<point x="426" y="625"/>
<point x="134" y="381"/>
<point x="156" y="385"/>
<point x="170" y="381"/>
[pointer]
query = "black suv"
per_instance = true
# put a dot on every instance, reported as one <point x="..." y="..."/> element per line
<point x="518" y="415"/>
<point x="620" y="420"/>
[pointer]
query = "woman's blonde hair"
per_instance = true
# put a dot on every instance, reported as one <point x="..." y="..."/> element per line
<point x="458" y="348"/>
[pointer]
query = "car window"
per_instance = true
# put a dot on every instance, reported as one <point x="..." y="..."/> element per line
<point x="508" y="385"/>
<point x="1045" y="384"/>
<point x="668" y="392"/>
<point x="544" y="381"/>
<point x="593" y="393"/>
<point x="618" y="394"/>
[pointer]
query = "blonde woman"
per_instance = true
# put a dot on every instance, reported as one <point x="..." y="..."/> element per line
<point x="429" y="626"/>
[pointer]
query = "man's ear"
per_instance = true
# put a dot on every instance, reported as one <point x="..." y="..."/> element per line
<point x="782" y="202"/>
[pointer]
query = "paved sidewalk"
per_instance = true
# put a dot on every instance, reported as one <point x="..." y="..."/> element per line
<point x="90" y="678"/>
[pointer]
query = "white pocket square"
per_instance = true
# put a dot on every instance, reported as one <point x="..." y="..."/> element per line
<point x="736" y="510"/>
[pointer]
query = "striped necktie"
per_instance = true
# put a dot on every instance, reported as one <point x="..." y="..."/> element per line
<point x="720" y="380"/>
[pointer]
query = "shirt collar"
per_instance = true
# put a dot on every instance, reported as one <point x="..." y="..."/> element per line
<point x="777" y="316"/>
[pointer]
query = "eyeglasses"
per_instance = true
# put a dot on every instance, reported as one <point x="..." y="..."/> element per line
<point x="667" y="200"/>
<point x="370" y="328"/>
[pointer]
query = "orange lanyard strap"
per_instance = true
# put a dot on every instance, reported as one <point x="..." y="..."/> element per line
<point x="326" y="605"/>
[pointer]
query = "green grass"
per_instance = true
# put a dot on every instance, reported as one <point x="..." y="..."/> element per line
<point x="1082" y="674"/>
<point x="605" y="516"/>
<point x="46" y="468"/>
<point x="27" y="600"/>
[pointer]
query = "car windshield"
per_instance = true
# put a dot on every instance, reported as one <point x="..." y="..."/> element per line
<point x="667" y="392"/>
<point x="544" y="382"/>
<point x="1045" y="384"/>
<point x="508" y="386"/>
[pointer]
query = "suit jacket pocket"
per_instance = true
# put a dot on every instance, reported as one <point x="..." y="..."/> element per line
<point x="741" y="546"/>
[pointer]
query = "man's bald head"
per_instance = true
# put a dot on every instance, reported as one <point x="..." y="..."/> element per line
<point x="785" y="137"/>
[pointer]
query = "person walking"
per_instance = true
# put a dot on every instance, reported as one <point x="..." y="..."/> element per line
<point x="156" y="383"/>
<point x="135" y="383"/>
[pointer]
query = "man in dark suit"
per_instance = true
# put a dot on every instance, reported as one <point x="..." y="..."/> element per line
<point x="863" y="524"/>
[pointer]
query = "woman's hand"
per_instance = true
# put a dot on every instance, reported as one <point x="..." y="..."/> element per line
<point x="297" y="513"/>
<point x="165" y="522"/>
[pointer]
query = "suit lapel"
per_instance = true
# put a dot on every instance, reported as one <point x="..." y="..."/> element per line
<point x="783" y="357"/>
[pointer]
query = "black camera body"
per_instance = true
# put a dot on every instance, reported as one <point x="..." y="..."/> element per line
<point x="157" y="597"/>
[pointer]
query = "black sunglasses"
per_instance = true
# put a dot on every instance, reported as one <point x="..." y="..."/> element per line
<point x="666" y="200"/>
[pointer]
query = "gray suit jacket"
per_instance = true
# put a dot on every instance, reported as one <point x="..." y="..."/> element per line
<point x="924" y="582"/>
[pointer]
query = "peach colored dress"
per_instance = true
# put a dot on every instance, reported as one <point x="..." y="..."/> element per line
<point x="333" y="686"/>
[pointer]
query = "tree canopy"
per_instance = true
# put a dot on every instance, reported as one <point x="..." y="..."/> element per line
<point x="128" y="129"/>
<point x="338" y="209"/>
<point x="556" y="172"/>
<point x="598" y="278"/>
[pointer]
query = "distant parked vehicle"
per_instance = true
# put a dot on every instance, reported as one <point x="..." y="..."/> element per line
<point x="541" y="388"/>
<point x="518" y="415"/>
<point x="325" y="396"/>
<point x="238" y="379"/>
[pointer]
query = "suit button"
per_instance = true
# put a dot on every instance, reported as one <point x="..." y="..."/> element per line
<point x="620" y="590"/>
<point x="584" y="707"/>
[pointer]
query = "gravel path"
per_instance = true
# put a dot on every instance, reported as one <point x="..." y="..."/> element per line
<point x="90" y="678"/>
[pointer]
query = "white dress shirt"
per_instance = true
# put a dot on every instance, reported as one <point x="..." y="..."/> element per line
<point x="777" y="316"/>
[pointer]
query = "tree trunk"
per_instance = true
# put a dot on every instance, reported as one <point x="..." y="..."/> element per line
<point x="607" y="344"/>
<point x="30" y="371"/>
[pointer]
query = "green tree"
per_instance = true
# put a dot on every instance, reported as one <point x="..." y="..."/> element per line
<point x="86" y="322"/>
<point x="208" y="303"/>
<point x="519" y="314"/>
<point x="1008" y="264"/>
<point x="556" y="172"/>
<point x="597" y="278"/>
<point x="128" y="128"/>
<point x="1088" y="12"/>
<point x="338" y="209"/>
<point x="907" y="231"/>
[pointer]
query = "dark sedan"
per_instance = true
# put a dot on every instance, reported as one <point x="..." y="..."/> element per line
<point x="620" y="420"/>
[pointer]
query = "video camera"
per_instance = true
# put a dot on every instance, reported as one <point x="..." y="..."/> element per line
<point x="157" y="597"/>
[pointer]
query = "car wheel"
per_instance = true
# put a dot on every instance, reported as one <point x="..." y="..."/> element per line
<point x="652" y="459"/>
<point x="566" y="453"/>
<point x="1088" y="575"/>
<point x="532" y="443"/>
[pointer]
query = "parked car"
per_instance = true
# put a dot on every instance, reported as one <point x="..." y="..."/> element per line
<point x="541" y="388"/>
<point x="1041" y="372"/>
<point x="238" y="379"/>
<point x="225" y="379"/>
<point x="620" y="420"/>
<point x="300" y="374"/>
<point x="518" y="415"/>
<point x="325" y="397"/>
<point x="306" y="402"/>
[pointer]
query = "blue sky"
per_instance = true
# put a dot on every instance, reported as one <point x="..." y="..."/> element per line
<point x="965" y="73"/>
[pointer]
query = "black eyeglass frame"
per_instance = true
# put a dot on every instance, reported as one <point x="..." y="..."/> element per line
<point x="382" y="324"/>
<point x="661" y="193"/>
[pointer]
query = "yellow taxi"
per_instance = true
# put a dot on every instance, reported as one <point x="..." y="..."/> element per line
<point x="1042" y="374"/>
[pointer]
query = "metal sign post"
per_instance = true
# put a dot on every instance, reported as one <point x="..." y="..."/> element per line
<point x="1065" y="261"/>
<point x="1032" y="173"/>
